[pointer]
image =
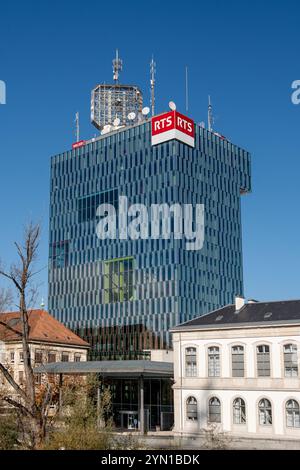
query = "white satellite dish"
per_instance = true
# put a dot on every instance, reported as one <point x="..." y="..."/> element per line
<point x="145" y="111"/>
<point x="172" y="105"/>
<point x="117" y="122"/>
<point x="107" y="128"/>
<point x="131" y="116"/>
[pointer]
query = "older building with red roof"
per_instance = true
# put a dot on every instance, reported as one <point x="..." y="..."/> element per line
<point x="50" y="341"/>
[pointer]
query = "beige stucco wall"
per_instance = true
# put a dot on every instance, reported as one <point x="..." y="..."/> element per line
<point x="17" y="365"/>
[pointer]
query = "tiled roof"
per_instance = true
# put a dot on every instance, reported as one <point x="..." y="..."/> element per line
<point x="252" y="313"/>
<point x="43" y="328"/>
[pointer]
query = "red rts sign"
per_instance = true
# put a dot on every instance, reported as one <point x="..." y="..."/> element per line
<point x="173" y="125"/>
<point x="78" y="144"/>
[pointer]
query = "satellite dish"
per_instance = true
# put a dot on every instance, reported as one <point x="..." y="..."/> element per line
<point x="131" y="116"/>
<point x="107" y="128"/>
<point x="172" y="105"/>
<point x="117" y="122"/>
<point x="145" y="111"/>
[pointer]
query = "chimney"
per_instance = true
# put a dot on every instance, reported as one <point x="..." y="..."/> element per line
<point x="239" y="302"/>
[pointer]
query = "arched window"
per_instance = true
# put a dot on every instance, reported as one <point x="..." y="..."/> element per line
<point x="265" y="412"/>
<point x="191" y="409"/>
<point x="239" y="411"/>
<point x="290" y="360"/>
<point x="292" y="414"/>
<point x="237" y="356"/>
<point x="263" y="361"/>
<point x="214" y="410"/>
<point x="190" y="362"/>
<point x="214" y="361"/>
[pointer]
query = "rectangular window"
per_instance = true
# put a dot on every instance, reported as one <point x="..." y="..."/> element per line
<point x="65" y="357"/>
<point x="237" y="355"/>
<point x="21" y="356"/>
<point x="290" y="360"/>
<point x="77" y="358"/>
<point x="21" y="377"/>
<point x="118" y="280"/>
<point x="214" y="362"/>
<point x="12" y="357"/>
<point x="59" y="254"/>
<point x="87" y="206"/>
<point x="38" y="357"/>
<point x="51" y="357"/>
<point x="263" y="361"/>
<point x="190" y="362"/>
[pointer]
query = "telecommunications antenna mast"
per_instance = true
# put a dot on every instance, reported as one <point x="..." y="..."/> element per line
<point x="77" y="126"/>
<point x="152" y="85"/>
<point x="117" y="67"/>
<point x="210" y="115"/>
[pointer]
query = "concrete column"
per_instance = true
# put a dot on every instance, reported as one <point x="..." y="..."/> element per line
<point x="141" y="407"/>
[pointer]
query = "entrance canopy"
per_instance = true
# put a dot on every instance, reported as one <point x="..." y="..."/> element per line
<point x="142" y="372"/>
<point x="109" y="368"/>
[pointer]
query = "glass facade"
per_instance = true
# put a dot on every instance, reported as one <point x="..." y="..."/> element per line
<point x="158" y="402"/>
<point x="124" y="295"/>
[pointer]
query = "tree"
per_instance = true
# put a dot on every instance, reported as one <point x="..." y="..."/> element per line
<point x="31" y="411"/>
<point x="8" y="433"/>
<point x="5" y="299"/>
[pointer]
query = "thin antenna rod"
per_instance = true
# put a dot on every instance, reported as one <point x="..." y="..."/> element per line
<point x="152" y="85"/>
<point x="210" y="115"/>
<point x="186" y="90"/>
<point x="77" y="127"/>
<point x="117" y="67"/>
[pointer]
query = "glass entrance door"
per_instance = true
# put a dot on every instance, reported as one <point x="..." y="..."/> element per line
<point x="132" y="421"/>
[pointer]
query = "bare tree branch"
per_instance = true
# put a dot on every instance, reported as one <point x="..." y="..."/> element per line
<point x="10" y="328"/>
<point x="20" y="275"/>
<point x="24" y="411"/>
<point x="12" y="382"/>
<point x="6" y="299"/>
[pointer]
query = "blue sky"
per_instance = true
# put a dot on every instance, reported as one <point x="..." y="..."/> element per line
<point x="245" y="54"/>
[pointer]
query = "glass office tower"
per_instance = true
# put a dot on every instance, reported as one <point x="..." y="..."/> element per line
<point x="123" y="295"/>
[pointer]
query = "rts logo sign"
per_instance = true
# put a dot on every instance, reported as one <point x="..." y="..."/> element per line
<point x="78" y="144"/>
<point x="173" y="125"/>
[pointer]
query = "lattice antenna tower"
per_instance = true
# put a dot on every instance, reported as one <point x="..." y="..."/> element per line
<point x="152" y="85"/>
<point x="210" y="117"/>
<point x="117" y="67"/>
<point x="77" y="130"/>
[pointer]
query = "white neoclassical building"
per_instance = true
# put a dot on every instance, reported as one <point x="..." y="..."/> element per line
<point x="238" y="369"/>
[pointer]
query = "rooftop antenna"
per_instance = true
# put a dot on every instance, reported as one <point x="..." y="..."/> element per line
<point x="152" y="85"/>
<point x="210" y="115"/>
<point x="117" y="67"/>
<point x="77" y="126"/>
<point x="186" y="90"/>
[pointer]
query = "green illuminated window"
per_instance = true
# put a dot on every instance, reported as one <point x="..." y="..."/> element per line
<point x="118" y="280"/>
